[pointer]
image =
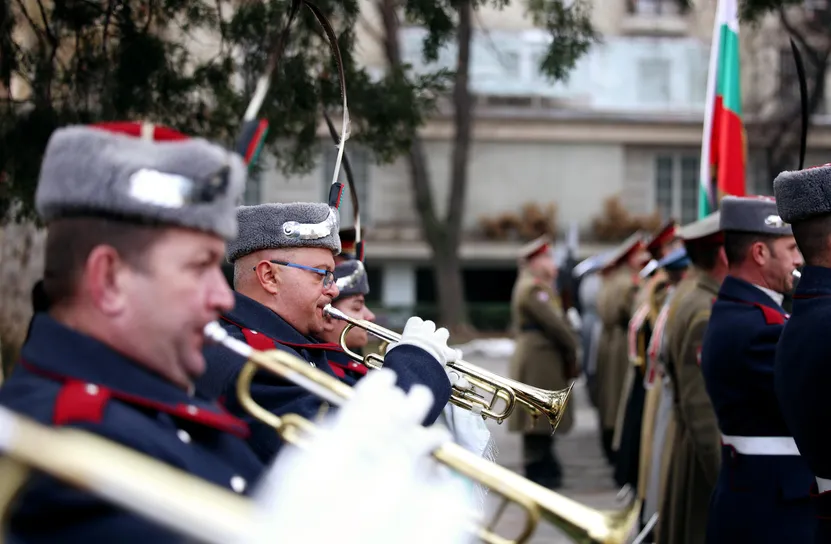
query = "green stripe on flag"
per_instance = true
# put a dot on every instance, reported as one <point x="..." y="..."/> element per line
<point x="729" y="85"/>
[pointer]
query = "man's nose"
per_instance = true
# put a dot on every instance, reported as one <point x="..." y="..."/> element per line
<point x="221" y="297"/>
<point x="332" y="291"/>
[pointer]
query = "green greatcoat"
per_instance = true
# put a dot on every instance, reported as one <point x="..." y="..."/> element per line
<point x="546" y="349"/>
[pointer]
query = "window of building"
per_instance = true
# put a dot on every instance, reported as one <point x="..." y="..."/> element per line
<point x="359" y="161"/>
<point x="654" y="7"/>
<point x="676" y="187"/>
<point x="654" y="81"/>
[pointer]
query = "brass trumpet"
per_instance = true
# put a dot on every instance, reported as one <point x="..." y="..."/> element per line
<point x="536" y="401"/>
<point x="582" y="523"/>
<point x="152" y="489"/>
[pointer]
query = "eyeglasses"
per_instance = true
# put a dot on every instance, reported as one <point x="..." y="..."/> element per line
<point x="328" y="275"/>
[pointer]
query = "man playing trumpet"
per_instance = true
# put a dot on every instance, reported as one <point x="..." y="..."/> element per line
<point x="353" y="286"/>
<point x="136" y="237"/>
<point x="284" y="266"/>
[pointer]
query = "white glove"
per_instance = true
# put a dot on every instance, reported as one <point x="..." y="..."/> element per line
<point x="373" y="451"/>
<point x="457" y="379"/>
<point x="574" y="318"/>
<point x="424" y="335"/>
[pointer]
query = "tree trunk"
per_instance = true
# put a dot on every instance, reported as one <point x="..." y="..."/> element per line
<point x="448" y="271"/>
<point x="443" y="237"/>
<point x="21" y="265"/>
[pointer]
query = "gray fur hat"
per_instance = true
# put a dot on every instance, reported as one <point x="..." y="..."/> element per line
<point x="92" y="171"/>
<point x="351" y="279"/>
<point x="803" y="194"/>
<point x="753" y="214"/>
<point x="276" y="226"/>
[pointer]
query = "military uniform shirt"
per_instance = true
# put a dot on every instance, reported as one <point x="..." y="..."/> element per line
<point x="65" y="378"/>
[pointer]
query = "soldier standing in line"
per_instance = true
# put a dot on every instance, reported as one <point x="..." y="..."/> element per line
<point x="802" y="373"/>
<point x="763" y="488"/>
<point x="695" y="458"/>
<point x="614" y="307"/>
<point x="675" y="265"/>
<point x="627" y="438"/>
<point x="545" y="356"/>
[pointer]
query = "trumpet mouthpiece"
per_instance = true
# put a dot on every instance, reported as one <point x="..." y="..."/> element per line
<point x="333" y="312"/>
<point x="797" y="274"/>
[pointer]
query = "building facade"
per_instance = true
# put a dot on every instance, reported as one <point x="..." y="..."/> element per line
<point x="627" y="123"/>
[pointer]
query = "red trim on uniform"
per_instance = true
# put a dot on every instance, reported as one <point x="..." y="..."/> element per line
<point x="80" y="402"/>
<point x="222" y="421"/>
<point x="258" y="341"/>
<point x="539" y="251"/>
<point x="264" y="343"/>
<point x="339" y="368"/>
<point x="772" y="317"/>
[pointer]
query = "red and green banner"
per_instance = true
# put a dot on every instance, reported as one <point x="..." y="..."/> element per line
<point x="723" y="146"/>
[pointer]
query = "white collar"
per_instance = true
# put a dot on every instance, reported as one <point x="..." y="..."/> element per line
<point x="777" y="297"/>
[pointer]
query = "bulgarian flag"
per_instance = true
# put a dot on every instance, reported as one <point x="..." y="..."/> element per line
<point x="723" y="147"/>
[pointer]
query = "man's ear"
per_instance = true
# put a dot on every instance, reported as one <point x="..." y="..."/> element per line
<point x="268" y="276"/>
<point x="104" y="279"/>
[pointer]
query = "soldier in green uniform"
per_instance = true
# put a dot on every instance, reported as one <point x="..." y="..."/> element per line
<point x="545" y="356"/>
<point x="696" y="450"/>
<point x="614" y="306"/>
<point x="648" y="303"/>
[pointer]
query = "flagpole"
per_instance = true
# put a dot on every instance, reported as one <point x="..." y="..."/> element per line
<point x="708" y="202"/>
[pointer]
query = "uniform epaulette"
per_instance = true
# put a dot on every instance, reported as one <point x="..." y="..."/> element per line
<point x="80" y="402"/>
<point x="772" y="317"/>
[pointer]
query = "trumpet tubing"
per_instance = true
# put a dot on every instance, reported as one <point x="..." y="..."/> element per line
<point x="581" y="522"/>
<point x="536" y="401"/>
<point x="152" y="489"/>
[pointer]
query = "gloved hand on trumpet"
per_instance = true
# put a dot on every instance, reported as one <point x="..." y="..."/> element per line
<point x="424" y="334"/>
<point x="380" y="484"/>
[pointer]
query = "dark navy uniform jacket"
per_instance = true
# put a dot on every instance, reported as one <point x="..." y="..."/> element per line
<point x="344" y="367"/>
<point x="803" y="381"/>
<point x="65" y="378"/>
<point x="758" y="498"/>
<point x="263" y="329"/>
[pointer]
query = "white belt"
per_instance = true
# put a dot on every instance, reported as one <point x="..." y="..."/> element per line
<point x="761" y="445"/>
<point x="823" y="485"/>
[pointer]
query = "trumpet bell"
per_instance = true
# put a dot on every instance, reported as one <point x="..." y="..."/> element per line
<point x="502" y="394"/>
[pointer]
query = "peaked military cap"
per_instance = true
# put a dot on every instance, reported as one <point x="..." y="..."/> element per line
<point x="675" y="260"/>
<point x="107" y="171"/>
<point x="665" y="235"/>
<point x="590" y="265"/>
<point x="701" y="229"/>
<point x="803" y="194"/>
<point x="279" y="226"/>
<point x="351" y="279"/>
<point x="754" y="214"/>
<point x="535" y="247"/>
<point x="628" y="246"/>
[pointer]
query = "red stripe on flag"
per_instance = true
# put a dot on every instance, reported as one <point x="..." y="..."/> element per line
<point x="731" y="154"/>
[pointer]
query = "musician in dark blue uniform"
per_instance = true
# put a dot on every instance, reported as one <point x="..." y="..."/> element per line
<point x="762" y="492"/>
<point x="132" y="275"/>
<point x="283" y="277"/>
<point x="803" y="372"/>
<point x="353" y="286"/>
